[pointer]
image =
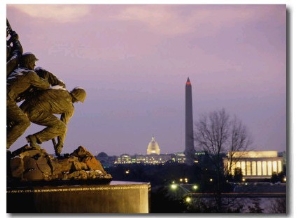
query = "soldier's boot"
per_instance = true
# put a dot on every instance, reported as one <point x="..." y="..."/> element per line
<point x="32" y="140"/>
<point x="58" y="149"/>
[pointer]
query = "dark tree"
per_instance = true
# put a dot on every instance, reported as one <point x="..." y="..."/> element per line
<point x="163" y="202"/>
<point x="217" y="134"/>
<point x="238" y="175"/>
<point x="275" y="177"/>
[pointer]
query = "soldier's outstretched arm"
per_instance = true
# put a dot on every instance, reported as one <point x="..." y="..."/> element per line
<point x="50" y="77"/>
<point x="37" y="81"/>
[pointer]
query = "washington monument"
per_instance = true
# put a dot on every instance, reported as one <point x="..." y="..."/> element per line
<point x="189" y="131"/>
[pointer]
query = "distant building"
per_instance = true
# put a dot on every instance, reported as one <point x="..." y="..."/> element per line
<point x="254" y="164"/>
<point x="123" y="159"/>
<point x="153" y="156"/>
<point x="156" y="158"/>
<point x="179" y="157"/>
<point x="153" y="147"/>
<point x="144" y="159"/>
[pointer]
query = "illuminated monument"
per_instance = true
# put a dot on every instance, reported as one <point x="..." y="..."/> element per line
<point x="153" y="147"/>
<point x="254" y="164"/>
<point x="189" y="132"/>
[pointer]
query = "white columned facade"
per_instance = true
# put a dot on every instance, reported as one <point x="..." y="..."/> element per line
<point x="255" y="164"/>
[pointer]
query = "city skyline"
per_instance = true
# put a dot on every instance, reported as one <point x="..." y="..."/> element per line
<point x="133" y="61"/>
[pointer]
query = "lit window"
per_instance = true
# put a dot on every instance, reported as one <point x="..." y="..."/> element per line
<point x="253" y="168"/>
<point x="243" y="167"/>
<point x="248" y="168"/>
<point x="259" y="172"/>
<point x="269" y="168"/>
<point x="264" y="167"/>
<point x="275" y="167"/>
<point x="279" y="166"/>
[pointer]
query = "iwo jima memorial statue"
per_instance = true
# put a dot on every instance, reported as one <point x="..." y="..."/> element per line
<point x="41" y="182"/>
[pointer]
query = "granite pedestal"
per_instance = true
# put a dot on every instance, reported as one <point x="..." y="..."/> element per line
<point x="116" y="197"/>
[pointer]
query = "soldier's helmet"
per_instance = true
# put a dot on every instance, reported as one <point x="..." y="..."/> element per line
<point x="27" y="58"/>
<point x="79" y="94"/>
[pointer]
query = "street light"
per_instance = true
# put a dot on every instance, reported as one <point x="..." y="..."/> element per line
<point x="188" y="199"/>
<point x="195" y="187"/>
<point x="173" y="186"/>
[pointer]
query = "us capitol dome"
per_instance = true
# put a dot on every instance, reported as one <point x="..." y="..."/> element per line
<point x="153" y="147"/>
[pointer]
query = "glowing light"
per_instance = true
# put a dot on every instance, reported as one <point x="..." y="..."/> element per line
<point x="188" y="199"/>
<point x="127" y="171"/>
<point x="210" y="179"/>
<point x="173" y="186"/>
<point x="254" y="154"/>
<point x="188" y="82"/>
<point x="195" y="187"/>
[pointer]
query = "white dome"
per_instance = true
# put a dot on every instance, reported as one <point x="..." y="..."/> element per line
<point x="153" y="147"/>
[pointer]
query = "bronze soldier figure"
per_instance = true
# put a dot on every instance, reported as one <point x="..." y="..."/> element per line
<point x="46" y="75"/>
<point x="18" y="82"/>
<point x="41" y="110"/>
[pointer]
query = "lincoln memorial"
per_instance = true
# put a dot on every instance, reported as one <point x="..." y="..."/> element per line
<point x="254" y="164"/>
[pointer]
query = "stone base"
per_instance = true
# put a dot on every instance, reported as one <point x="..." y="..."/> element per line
<point x="116" y="197"/>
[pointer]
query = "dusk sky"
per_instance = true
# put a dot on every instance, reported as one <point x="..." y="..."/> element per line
<point x="133" y="61"/>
